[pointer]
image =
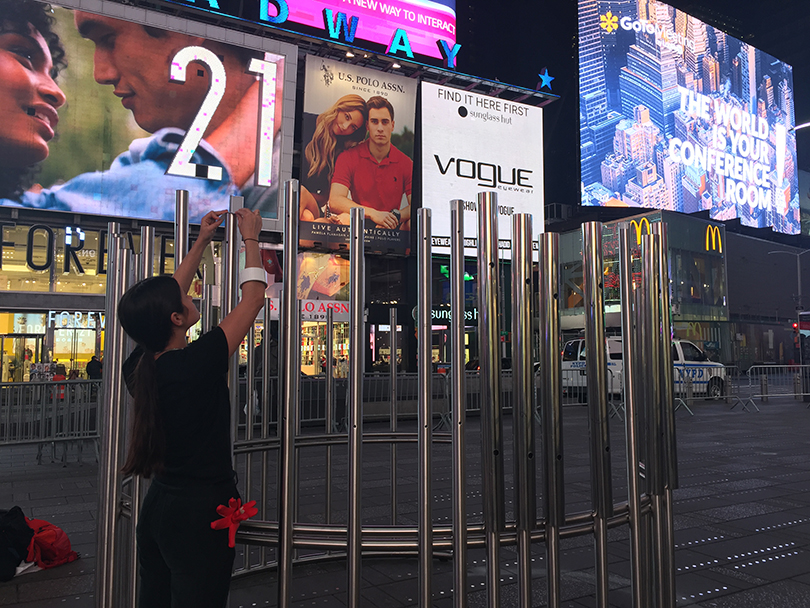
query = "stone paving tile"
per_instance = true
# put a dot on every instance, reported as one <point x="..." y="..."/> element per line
<point x="752" y="470"/>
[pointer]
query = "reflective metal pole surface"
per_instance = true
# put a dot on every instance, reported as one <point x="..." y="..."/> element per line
<point x="523" y="402"/>
<point x="139" y="484"/>
<point x="601" y="486"/>
<point x="551" y="409"/>
<point x="668" y="413"/>
<point x="357" y="302"/>
<point x="392" y="378"/>
<point x="111" y="426"/>
<point x="631" y="379"/>
<point x="180" y="226"/>
<point x="459" y="403"/>
<point x="289" y="366"/>
<point x="656" y="467"/>
<point x="330" y="406"/>
<point x="230" y="293"/>
<point x="490" y="360"/>
<point x="424" y="438"/>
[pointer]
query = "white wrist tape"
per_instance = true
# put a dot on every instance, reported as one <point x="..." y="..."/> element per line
<point x="252" y="274"/>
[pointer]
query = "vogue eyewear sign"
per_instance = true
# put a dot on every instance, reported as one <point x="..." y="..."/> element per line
<point x="473" y="143"/>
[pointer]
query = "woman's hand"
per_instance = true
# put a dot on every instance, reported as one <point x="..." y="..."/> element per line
<point x="209" y="224"/>
<point x="249" y="222"/>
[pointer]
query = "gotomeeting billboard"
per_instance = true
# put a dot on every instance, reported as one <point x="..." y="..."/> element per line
<point x="675" y="114"/>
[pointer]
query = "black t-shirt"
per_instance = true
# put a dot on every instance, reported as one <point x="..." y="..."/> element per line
<point x="195" y="405"/>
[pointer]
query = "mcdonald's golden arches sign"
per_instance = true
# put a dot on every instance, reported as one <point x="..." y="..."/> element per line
<point x="714" y="238"/>
<point x="639" y="226"/>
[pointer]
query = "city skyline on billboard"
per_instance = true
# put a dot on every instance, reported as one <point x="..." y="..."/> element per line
<point x="117" y="129"/>
<point x="676" y="114"/>
<point x="405" y="28"/>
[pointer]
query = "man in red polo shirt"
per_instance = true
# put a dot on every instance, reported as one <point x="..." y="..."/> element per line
<point x="375" y="172"/>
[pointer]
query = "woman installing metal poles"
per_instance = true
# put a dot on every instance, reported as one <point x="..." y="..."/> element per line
<point x="180" y="431"/>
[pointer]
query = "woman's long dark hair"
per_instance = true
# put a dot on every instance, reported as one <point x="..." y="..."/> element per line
<point x="15" y="16"/>
<point x="145" y="312"/>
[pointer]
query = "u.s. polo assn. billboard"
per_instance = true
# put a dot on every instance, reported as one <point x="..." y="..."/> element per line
<point x="473" y="143"/>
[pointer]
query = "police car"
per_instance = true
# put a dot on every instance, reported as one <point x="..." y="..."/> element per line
<point x="708" y="377"/>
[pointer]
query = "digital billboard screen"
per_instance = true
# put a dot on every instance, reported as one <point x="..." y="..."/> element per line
<point x="104" y="116"/>
<point x="357" y="137"/>
<point x="676" y="114"/>
<point x="475" y="143"/>
<point x="406" y="28"/>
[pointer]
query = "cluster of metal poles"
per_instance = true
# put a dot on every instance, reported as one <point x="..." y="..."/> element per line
<point x="537" y="390"/>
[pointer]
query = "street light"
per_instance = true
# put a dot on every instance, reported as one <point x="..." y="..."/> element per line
<point x="799" y="306"/>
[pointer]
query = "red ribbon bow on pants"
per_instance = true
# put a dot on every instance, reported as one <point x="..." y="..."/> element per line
<point x="232" y="515"/>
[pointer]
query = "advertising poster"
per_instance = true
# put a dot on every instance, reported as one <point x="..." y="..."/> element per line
<point x="357" y="134"/>
<point x="120" y="115"/>
<point x="414" y="27"/>
<point x="678" y="115"/>
<point x="473" y="143"/>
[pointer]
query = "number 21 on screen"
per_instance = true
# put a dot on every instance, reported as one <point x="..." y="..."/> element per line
<point x="181" y="163"/>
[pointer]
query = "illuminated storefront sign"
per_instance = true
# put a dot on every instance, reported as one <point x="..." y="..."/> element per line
<point x="716" y="239"/>
<point x="639" y="226"/>
<point x="404" y="27"/>
<point x="76" y="319"/>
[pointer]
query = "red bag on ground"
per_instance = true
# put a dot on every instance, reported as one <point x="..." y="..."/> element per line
<point x="50" y="546"/>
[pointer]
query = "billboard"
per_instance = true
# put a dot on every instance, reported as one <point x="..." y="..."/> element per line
<point x="357" y="134"/>
<point x="676" y="114"/>
<point x="473" y="143"/>
<point x="139" y="112"/>
<point x="403" y="27"/>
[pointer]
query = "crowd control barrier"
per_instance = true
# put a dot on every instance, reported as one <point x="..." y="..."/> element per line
<point x="765" y="382"/>
<point x="268" y="457"/>
<point x="49" y="413"/>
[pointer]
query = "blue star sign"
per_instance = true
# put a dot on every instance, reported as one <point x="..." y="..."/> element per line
<point x="545" y="79"/>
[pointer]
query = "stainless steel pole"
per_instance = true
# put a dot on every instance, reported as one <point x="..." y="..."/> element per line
<point x="147" y="268"/>
<point x="601" y="483"/>
<point x="357" y="302"/>
<point x="267" y="396"/>
<point x="523" y="403"/>
<point x="631" y="379"/>
<point x="290" y="359"/>
<point x="330" y="406"/>
<point x="392" y="378"/>
<point x="111" y="423"/>
<point x="139" y="484"/>
<point x="230" y="292"/>
<point x="669" y="447"/>
<point x="180" y="226"/>
<point x="656" y="466"/>
<point x="551" y="410"/>
<point x="458" y="404"/>
<point x="490" y="360"/>
<point x="424" y="437"/>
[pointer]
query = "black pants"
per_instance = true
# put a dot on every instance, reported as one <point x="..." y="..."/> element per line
<point x="183" y="562"/>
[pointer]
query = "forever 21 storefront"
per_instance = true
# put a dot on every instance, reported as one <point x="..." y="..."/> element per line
<point x="52" y="290"/>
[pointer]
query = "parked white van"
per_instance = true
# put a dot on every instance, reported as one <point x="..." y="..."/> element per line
<point x="708" y="377"/>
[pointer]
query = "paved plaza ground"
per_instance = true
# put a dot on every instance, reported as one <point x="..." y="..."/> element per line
<point x="742" y="519"/>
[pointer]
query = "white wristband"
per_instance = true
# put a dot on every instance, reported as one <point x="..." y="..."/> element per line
<point x="253" y="273"/>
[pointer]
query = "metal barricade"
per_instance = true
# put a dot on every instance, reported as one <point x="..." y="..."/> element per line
<point x="766" y="382"/>
<point x="694" y="383"/>
<point x="41" y="413"/>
